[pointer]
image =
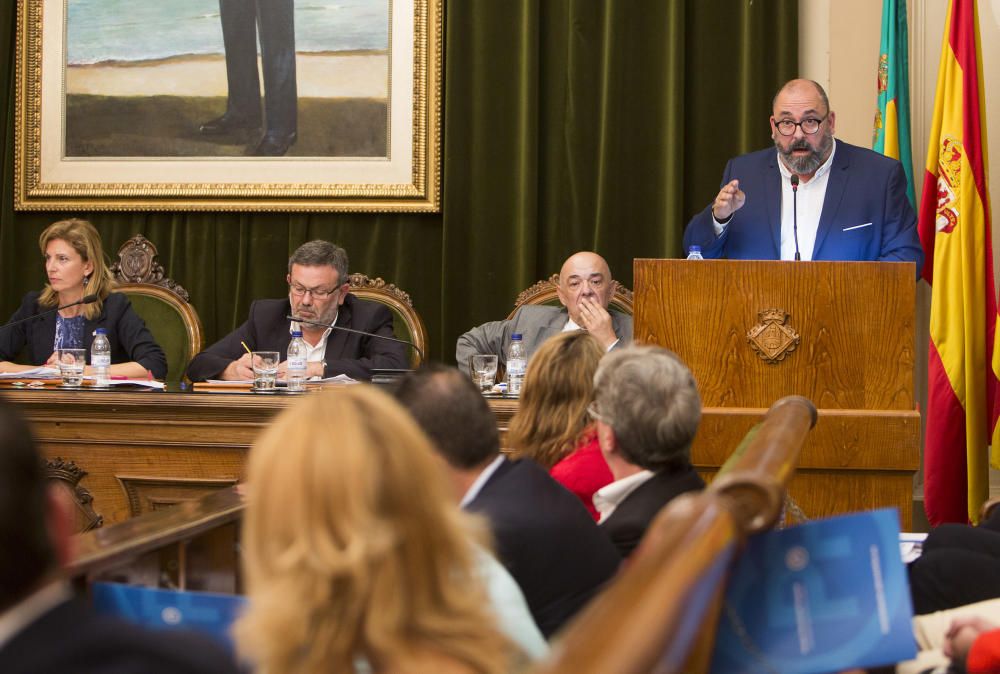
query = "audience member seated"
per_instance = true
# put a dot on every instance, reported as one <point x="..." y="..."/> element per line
<point x="552" y="425"/>
<point x="75" y="268"/>
<point x="43" y="629"/>
<point x="647" y="409"/>
<point x="959" y="565"/>
<point x="585" y="289"/>
<point x="355" y="553"/>
<point x="544" y="536"/>
<point x="318" y="291"/>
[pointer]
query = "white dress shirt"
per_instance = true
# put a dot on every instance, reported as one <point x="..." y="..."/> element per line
<point x="481" y="479"/>
<point x="315" y="354"/>
<point x="15" y="619"/>
<point x="609" y="497"/>
<point x="810" y="206"/>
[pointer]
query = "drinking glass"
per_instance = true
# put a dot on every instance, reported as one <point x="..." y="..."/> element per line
<point x="71" y="363"/>
<point x="484" y="371"/>
<point x="265" y="370"/>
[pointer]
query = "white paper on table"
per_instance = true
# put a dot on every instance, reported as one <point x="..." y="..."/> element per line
<point x="146" y="383"/>
<point x="243" y="383"/>
<point x="911" y="545"/>
<point x="40" y="372"/>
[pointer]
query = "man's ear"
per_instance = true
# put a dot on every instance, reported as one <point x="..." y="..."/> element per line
<point x="344" y="289"/>
<point x="559" y="294"/>
<point x="606" y="438"/>
<point x="61" y="522"/>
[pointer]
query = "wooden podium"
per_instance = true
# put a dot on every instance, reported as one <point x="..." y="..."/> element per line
<point x="839" y="333"/>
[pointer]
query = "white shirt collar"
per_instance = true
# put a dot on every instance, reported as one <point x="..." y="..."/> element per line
<point x="609" y="497"/>
<point x="15" y="619"/>
<point x="820" y="172"/>
<point x="477" y="486"/>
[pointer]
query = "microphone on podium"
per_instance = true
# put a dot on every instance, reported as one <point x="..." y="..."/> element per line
<point x="795" y="213"/>
<point x="87" y="299"/>
<point x="320" y="324"/>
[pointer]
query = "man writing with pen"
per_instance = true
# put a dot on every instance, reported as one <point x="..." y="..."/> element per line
<point x="318" y="292"/>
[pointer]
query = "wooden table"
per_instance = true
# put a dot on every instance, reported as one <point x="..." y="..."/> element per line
<point x="143" y="451"/>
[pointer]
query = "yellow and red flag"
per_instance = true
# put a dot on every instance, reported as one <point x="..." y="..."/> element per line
<point x="955" y="233"/>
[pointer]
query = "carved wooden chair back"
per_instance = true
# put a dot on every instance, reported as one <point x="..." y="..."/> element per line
<point x="545" y="292"/>
<point x="407" y="323"/>
<point x="163" y="304"/>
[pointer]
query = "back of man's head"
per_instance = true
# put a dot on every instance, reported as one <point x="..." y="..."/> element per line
<point x="452" y="411"/>
<point x="26" y="552"/>
<point x="649" y="398"/>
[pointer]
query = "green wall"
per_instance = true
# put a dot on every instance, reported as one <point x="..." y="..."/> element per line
<point x="568" y="124"/>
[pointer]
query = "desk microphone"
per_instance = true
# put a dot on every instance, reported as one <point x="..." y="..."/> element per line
<point x="87" y="299"/>
<point x="319" y="324"/>
<point x="795" y="213"/>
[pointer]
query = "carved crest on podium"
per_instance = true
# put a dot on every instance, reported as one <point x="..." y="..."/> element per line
<point x="773" y="338"/>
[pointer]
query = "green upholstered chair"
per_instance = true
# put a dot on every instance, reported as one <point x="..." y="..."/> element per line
<point x="544" y="292"/>
<point x="162" y="303"/>
<point x="406" y="322"/>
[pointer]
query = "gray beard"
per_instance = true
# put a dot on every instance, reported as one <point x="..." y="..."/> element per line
<point x="809" y="163"/>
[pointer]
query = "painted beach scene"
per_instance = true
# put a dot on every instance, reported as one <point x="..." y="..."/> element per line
<point x="222" y="78"/>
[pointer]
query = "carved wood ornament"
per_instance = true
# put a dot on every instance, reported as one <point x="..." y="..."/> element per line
<point x="71" y="474"/>
<point x="772" y="338"/>
<point x="137" y="264"/>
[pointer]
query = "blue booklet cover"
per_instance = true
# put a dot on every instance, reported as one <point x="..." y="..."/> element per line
<point x="211" y="614"/>
<point x="824" y="596"/>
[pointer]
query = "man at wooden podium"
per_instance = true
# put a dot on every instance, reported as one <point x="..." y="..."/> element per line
<point x="810" y="198"/>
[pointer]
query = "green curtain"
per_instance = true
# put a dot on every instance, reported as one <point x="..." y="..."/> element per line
<point x="568" y="125"/>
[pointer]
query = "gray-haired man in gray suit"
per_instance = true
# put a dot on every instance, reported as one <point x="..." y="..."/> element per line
<point x="585" y="289"/>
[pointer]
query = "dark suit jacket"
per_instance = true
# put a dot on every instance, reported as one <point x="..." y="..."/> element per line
<point x="629" y="521"/>
<point x="535" y="323"/>
<point x="73" y="639"/>
<point x="130" y="340"/>
<point x="266" y="329"/>
<point x="546" y="539"/>
<point x="866" y="215"/>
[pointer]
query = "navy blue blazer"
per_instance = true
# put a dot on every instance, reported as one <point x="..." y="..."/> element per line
<point x="266" y="328"/>
<point x="547" y="540"/>
<point x="127" y="332"/>
<point x="866" y="215"/>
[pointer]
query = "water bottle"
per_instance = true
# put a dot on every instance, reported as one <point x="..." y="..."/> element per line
<point x="516" y="364"/>
<point x="694" y="253"/>
<point x="100" y="358"/>
<point x="296" y="363"/>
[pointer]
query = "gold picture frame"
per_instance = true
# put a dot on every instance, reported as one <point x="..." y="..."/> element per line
<point x="52" y="172"/>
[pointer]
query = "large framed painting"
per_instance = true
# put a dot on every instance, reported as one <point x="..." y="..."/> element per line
<point x="283" y="105"/>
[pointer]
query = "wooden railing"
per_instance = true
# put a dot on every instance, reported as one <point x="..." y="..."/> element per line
<point x="193" y="545"/>
<point x="660" y="613"/>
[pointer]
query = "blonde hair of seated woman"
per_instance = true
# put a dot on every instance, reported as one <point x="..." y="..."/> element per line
<point x="354" y="548"/>
<point x="558" y="387"/>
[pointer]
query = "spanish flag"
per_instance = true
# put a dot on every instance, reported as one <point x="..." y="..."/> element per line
<point x="955" y="233"/>
<point x="891" y="134"/>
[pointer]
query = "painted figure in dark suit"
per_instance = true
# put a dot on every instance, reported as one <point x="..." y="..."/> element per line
<point x="585" y="289"/>
<point x="647" y="410"/>
<point x="544" y="535"/>
<point x="849" y="202"/>
<point x="242" y="22"/>
<point x="43" y="628"/>
<point x="319" y="291"/>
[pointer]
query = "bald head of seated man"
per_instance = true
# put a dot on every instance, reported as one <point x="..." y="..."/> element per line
<point x="585" y="288"/>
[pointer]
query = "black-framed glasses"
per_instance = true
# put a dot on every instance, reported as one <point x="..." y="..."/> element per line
<point x="810" y="125"/>
<point x="594" y="414"/>
<point x="317" y="293"/>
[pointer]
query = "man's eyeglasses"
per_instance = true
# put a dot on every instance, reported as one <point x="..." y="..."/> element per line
<point x="810" y="125"/>
<point x="594" y="414"/>
<point x="317" y="293"/>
